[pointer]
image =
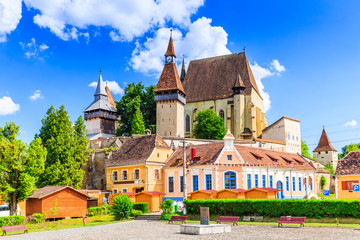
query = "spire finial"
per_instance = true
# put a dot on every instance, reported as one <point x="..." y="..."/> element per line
<point x="100" y="70"/>
<point x="244" y="48"/>
<point x="170" y="32"/>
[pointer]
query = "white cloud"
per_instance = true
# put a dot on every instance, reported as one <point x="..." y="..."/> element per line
<point x="202" y="40"/>
<point x="351" y="123"/>
<point x="7" y="106"/>
<point x="128" y="19"/>
<point x="36" y="95"/>
<point x="260" y="73"/>
<point x="113" y="86"/>
<point x="33" y="50"/>
<point x="10" y="15"/>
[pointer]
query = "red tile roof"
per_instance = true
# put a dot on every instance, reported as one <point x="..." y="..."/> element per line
<point x="324" y="143"/>
<point x="238" y="190"/>
<point x="214" y="78"/>
<point x="136" y="150"/>
<point x="169" y="79"/>
<point x="239" y="82"/>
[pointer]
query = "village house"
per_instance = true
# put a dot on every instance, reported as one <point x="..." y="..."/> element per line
<point x="347" y="175"/>
<point x="225" y="165"/>
<point x="138" y="165"/>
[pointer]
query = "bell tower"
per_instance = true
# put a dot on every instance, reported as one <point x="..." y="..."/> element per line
<point x="170" y="98"/>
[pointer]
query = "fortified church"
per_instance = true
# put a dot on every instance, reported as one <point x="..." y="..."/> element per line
<point x="152" y="162"/>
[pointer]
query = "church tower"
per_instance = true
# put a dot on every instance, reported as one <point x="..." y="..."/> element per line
<point x="325" y="152"/>
<point x="170" y="98"/>
<point x="101" y="115"/>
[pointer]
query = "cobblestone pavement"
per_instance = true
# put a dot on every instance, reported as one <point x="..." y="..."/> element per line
<point x="157" y="230"/>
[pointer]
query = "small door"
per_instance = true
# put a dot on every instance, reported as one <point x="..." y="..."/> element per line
<point x="280" y="194"/>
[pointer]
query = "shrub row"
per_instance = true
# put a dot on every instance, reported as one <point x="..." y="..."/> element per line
<point x="276" y="208"/>
<point x="143" y="207"/>
<point x="95" y="211"/>
<point x="11" y="220"/>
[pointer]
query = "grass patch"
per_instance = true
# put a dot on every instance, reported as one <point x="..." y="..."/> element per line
<point x="69" y="223"/>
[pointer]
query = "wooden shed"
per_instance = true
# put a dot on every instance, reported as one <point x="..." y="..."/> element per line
<point x="231" y="194"/>
<point x="202" y="194"/>
<point x="68" y="201"/>
<point x="261" y="193"/>
<point x="131" y="195"/>
<point x="154" y="199"/>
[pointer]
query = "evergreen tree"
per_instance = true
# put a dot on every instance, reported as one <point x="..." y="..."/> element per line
<point x="67" y="149"/>
<point x="137" y="121"/>
<point x="20" y="166"/>
<point x="147" y="106"/>
<point x="209" y="126"/>
<point x="305" y="149"/>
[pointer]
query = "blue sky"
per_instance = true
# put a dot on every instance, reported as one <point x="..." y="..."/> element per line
<point x="305" y="54"/>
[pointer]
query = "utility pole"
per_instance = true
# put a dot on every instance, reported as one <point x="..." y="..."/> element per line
<point x="184" y="169"/>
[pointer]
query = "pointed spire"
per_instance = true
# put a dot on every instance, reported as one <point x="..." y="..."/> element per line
<point x="183" y="72"/>
<point x="100" y="89"/>
<point x="239" y="83"/>
<point x="170" y="50"/>
<point x="324" y="143"/>
<point x="110" y="97"/>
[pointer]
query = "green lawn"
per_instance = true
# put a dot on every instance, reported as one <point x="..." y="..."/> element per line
<point x="68" y="223"/>
<point x="331" y="195"/>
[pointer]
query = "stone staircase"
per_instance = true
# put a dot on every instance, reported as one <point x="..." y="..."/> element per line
<point x="149" y="217"/>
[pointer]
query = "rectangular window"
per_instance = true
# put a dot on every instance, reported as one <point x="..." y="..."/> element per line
<point x="348" y="185"/>
<point x="181" y="184"/>
<point x="115" y="191"/>
<point x="249" y="181"/>
<point x="137" y="174"/>
<point x="287" y="184"/>
<point x="229" y="157"/>
<point x="311" y="184"/>
<point x="271" y="181"/>
<point x="208" y="182"/>
<point x="293" y="183"/>
<point x="171" y="184"/>
<point x="195" y="182"/>
<point x="115" y="175"/>
<point x="124" y="190"/>
<point x="256" y="181"/>
<point x="124" y="175"/>
<point x="300" y="184"/>
<point x="263" y="181"/>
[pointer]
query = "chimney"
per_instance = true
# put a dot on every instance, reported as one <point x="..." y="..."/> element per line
<point x="193" y="153"/>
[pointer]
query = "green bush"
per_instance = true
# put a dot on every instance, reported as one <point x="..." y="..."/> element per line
<point x="11" y="220"/>
<point x="166" y="206"/>
<point x="167" y="216"/>
<point x="142" y="206"/>
<point x="97" y="211"/>
<point x="122" y="207"/>
<point x="275" y="208"/>
<point x="39" y="217"/>
<point x="134" y="213"/>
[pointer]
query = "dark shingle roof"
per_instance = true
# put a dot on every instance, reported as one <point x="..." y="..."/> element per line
<point x="136" y="150"/>
<point x="214" y="78"/>
<point x="350" y="164"/>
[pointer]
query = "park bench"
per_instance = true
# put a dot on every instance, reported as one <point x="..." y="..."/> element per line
<point x="177" y="219"/>
<point x="234" y="220"/>
<point x="289" y="219"/>
<point x="14" y="228"/>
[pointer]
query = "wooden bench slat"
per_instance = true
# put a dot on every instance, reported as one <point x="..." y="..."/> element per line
<point x="13" y="228"/>
<point x="294" y="220"/>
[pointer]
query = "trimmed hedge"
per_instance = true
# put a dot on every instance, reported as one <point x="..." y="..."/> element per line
<point x="142" y="206"/>
<point x="11" y="220"/>
<point x="275" y="208"/>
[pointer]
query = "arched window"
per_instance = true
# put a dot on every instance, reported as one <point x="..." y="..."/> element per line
<point x="115" y="175"/>
<point x="187" y="123"/>
<point x="222" y="114"/>
<point x="230" y="180"/>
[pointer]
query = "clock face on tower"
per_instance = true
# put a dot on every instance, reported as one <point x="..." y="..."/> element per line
<point x="169" y="59"/>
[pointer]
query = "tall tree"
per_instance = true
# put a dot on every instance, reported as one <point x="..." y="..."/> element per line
<point x="209" y="125"/>
<point x="348" y="148"/>
<point x="305" y="149"/>
<point x="67" y="149"/>
<point x="147" y="107"/>
<point x="20" y="166"/>
<point x="137" y="121"/>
